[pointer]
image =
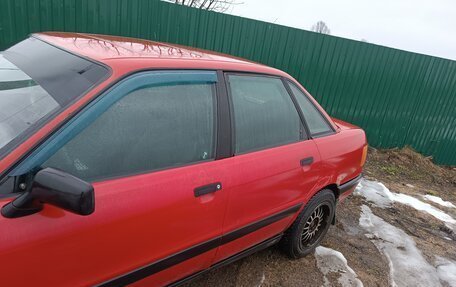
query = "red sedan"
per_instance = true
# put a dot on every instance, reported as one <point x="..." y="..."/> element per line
<point x="126" y="161"/>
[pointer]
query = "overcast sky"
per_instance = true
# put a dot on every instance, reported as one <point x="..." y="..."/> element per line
<point x="423" y="26"/>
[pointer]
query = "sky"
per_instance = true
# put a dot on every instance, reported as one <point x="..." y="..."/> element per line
<point x="422" y="26"/>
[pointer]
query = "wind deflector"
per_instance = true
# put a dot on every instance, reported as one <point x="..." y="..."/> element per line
<point x="102" y="103"/>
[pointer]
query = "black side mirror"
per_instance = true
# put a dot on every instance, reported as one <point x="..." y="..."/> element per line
<point x="53" y="187"/>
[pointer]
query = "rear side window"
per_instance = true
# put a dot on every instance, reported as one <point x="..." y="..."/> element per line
<point x="264" y="114"/>
<point x="150" y="128"/>
<point x="315" y="121"/>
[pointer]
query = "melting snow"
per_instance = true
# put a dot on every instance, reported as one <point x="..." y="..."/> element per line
<point x="447" y="270"/>
<point x="330" y="260"/>
<point x="407" y="266"/>
<point x="439" y="201"/>
<point x="380" y="195"/>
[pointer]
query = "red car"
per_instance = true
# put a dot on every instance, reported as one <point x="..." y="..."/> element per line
<point x="126" y="161"/>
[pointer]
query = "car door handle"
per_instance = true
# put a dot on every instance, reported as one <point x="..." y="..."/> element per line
<point x="307" y="161"/>
<point x="206" y="189"/>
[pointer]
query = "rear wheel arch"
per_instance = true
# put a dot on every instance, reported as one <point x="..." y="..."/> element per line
<point x="334" y="188"/>
<point x="336" y="191"/>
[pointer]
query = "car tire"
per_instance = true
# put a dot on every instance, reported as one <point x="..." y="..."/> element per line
<point x="311" y="225"/>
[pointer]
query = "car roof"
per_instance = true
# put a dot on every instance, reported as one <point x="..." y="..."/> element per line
<point x="132" y="54"/>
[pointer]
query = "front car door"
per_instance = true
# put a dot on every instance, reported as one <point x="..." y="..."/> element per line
<point x="148" y="146"/>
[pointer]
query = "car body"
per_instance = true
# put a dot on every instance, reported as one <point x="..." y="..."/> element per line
<point x="181" y="160"/>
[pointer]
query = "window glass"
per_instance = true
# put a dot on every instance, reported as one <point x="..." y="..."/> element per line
<point x="22" y="102"/>
<point x="264" y="114"/>
<point x="314" y="119"/>
<point x="30" y="94"/>
<point x="148" y="129"/>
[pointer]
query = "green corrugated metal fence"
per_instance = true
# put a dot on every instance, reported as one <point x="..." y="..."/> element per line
<point x="399" y="98"/>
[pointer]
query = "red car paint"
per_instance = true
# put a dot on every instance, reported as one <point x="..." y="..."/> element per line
<point x="133" y="227"/>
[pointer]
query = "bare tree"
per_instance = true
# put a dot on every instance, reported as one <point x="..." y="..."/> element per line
<point x="321" y="27"/>
<point x="211" y="5"/>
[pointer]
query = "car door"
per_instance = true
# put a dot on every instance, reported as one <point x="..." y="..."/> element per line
<point x="148" y="147"/>
<point x="275" y="165"/>
<point x="340" y="151"/>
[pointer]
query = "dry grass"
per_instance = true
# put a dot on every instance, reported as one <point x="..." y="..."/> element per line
<point x="407" y="165"/>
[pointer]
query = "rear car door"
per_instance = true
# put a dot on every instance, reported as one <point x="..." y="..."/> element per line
<point x="340" y="151"/>
<point x="148" y="147"/>
<point x="275" y="166"/>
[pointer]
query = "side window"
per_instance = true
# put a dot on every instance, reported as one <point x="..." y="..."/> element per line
<point x="153" y="127"/>
<point x="264" y="114"/>
<point x="317" y="124"/>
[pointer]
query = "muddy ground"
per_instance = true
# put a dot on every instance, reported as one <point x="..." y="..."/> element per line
<point x="402" y="171"/>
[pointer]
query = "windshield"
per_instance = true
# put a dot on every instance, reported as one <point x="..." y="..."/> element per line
<point x="38" y="80"/>
<point x="22" y="102"/>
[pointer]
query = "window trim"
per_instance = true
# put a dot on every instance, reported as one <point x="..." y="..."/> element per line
<point x="224" y="144"/>
<point x="108" y="90"/>
<point x="298" y="109"/>
<point x="316" y="135"/>
<point x="303" y="136"/>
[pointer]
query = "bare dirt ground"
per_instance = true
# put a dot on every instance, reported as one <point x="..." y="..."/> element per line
<point x="402" y="171"/>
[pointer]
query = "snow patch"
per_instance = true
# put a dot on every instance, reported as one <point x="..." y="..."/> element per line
<point x="447" y="271"/>
<point x="377" y="193"/>
<point x="408" y="267"/>
<point x="439" y="201"/>
<point x="330" y="260"/>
